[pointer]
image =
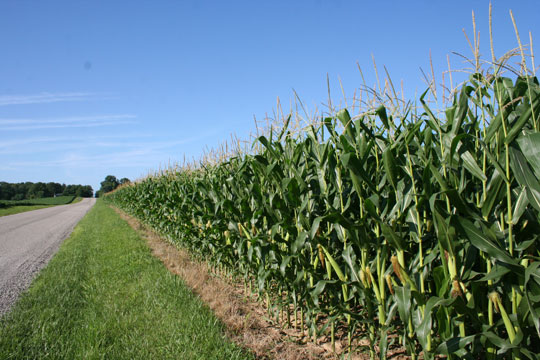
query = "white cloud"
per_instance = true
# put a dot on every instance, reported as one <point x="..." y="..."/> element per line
<point x="67" y="122"/>
<point x="131" y="153"/>
<point x="81" y="152"/>
<point x="71" y="119"/>
<point x="138" y="157"/>
<point x="35" y="144"/>
<point x="62" y="144"/>
<point x="43" y="98"/>
<point x="63" y="126"/>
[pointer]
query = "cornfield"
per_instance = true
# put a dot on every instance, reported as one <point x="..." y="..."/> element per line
<point x="417" y="228"/>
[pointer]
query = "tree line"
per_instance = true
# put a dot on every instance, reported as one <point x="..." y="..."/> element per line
<point x="30" y="190"/>
<point x="110" y="183"/>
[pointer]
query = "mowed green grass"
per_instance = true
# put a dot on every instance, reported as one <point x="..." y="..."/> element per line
<point x="21" y="208"/>
<point x="104" y="296"/>
<point x="16" y="207"/>
<point x="58" y="200"/>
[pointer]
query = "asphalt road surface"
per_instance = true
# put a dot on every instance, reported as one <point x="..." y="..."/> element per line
<point x="28" y="241"/>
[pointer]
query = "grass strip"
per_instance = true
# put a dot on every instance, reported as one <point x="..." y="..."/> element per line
<point x="58" y="200"/>
<point x="20" y="209"/>
<point x="104" y="296"/>
<point x="9" y="207"/>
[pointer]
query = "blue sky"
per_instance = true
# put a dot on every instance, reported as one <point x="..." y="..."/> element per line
<point x="92" y="88"/>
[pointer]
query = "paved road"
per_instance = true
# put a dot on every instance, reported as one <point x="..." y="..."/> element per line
<point x="28" y="241"/>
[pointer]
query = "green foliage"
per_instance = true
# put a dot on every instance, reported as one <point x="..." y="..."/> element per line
<point x="11" y="210"/>
<point x="10" y="207"/>
<point x="59" y="200"/>
<point x="110" y="183"/>
<point x="382" y="222"/>
<point x="104" y="296"/>
<point x="79" y="190"/>
<point x="28" y="190"/>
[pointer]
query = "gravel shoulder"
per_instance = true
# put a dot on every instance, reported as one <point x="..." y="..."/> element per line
<point x="28" y="241"/>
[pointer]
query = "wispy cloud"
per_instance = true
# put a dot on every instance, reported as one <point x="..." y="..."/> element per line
<point x="67" y="122"/>
<point x="59" y="144"/>
<point x="131" y="154"/>
<point x="26" y="141"/>
<point x="134" y="153"/>
<point x="70" y="119"/>
<point x="131" y="142"/>
<point x="130" y="158"/>
<point x="43" y="98"/>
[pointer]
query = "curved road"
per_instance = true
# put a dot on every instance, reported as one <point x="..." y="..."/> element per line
<point x="28" y="241"/>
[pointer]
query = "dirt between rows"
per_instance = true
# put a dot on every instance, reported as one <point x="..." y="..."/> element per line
<point x="246" y="320"/>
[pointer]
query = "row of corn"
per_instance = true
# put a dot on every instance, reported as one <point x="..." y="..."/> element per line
<point x="418" y="230"/>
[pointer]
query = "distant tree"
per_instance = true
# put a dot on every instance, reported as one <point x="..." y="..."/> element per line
<point x="21" y="191"/>
<point x="109" y="184"/>
<point x="37" y="190"/>
<point x="85" y="191"/>
<point x="28" y="190"/>
<point x="70" y="190"/>
<point x="54" y="189"/>
<point x="51" y="189"/>
<point x="7" y="191"/>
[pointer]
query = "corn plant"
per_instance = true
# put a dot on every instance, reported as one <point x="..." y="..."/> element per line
<point x="418" y="223"/>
